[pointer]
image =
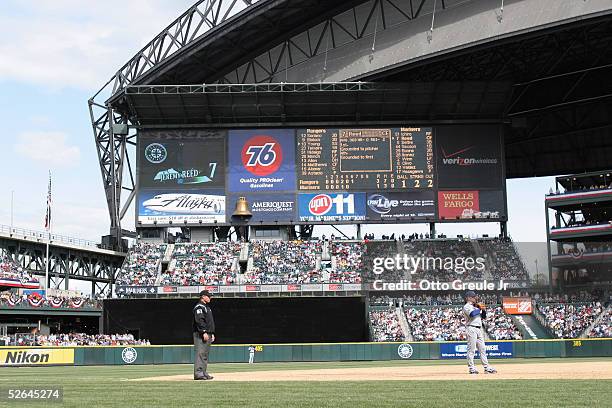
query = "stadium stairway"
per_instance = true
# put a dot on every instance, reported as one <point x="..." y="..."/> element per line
<point x="168" y="254"/>
<point x="399" y="311"/>
<point x="595" y="322"/>
<point x="244" y="252"/>
<point x="530" y="327"/>
<point x="325" y="252"/>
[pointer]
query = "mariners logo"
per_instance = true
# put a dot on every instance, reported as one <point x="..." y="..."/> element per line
<point x="405" y="350"/>
<point x="320" y="204"/>
<point x="129" y="355"/>
<point x="262" y="155"/>
<point x="156" y="153"/>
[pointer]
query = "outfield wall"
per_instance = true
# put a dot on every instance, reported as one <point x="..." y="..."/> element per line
<point x="121" y="355"/>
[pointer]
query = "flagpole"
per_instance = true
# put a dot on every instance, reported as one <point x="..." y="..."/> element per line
<point x="47" y="263"/>
<point x="48" y="226"/>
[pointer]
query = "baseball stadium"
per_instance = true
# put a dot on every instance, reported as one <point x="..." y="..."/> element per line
<point x="293" y="168"/>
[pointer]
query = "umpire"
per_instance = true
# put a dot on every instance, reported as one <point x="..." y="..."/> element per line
<point x="203" y="335"/>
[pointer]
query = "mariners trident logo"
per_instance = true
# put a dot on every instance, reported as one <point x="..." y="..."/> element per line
<point x="262" y="155"/>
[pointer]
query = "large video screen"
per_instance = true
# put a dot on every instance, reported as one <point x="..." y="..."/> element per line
<point x="322" y="175"/>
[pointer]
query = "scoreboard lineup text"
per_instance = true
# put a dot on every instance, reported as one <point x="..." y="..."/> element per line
<point x="365" y="159"/>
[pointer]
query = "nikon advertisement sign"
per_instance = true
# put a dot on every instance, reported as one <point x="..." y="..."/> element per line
<point x="36" y="356"/>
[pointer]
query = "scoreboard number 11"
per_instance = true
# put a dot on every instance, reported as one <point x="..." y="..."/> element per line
<point x="340" y="200"/>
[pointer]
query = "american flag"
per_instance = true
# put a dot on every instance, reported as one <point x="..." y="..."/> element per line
<point x="48" y="216"/>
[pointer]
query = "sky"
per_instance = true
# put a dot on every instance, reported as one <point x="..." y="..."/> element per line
<point x="55" y="56"/>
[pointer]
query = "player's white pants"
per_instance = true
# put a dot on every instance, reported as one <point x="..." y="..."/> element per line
<point x="251" y="358"/>
<point x="476" y="339"/>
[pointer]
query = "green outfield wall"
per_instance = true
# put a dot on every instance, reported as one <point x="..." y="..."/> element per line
<point x="122" y="355"/>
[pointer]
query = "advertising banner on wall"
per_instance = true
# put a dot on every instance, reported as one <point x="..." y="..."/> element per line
<point x="329" y="207"/>
<point x="418" y="205"/>
<point x="192" y="206"/>
<point x="36" y="356"/>
<point x="470" y="205"/>
<point x="469" y="156"/>
<point x="271" y="208"/>
<point x="261" y="160"/>
<point x="517" y="305"/>
<point x="459" y="350"/>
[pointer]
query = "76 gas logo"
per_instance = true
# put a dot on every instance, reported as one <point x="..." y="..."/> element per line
<point x="262" y="155"/>
<point x="332" y="207"/>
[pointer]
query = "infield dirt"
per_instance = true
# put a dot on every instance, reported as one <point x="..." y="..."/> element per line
<point x="577" y="370"/>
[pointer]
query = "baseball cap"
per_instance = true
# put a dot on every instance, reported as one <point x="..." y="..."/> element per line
<point x="469" y="293"/>
<point x="205" y="293"/>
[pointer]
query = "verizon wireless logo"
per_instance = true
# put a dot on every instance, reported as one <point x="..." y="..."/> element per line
<point x="458" y="159"/>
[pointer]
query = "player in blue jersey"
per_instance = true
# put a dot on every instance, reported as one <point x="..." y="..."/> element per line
<point x="474" y="313"/>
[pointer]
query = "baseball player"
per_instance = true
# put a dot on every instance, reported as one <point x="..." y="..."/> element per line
<point x="474" y="313"/>
<point x="251" y="354"/>
<point x="203" y="328"/>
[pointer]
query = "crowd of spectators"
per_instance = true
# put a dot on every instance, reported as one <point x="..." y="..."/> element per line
<point x="580" y="189"/>
<point x="603" y="328"/>
<point x="594" y="219"/>
<point x="451" y="298"/>
<point x="575" y="297"/>
<point x="587" y="248"/>
<point x="569" y="321"/>
<point x="348" y="257"/>
<point x="443" y="249"/>
<point x="10" y="270"/>
<point x="285" y="262"/>
<point x="73" y="339"/>
<point x="385" y="326"/>
<point x="499" y="326"/>
<point x="203" y="264"/>
<point x="503" y="260"/>
<point x="142" y="265"/>
<point x="436" y="323"/>
<point x="448" y="324"/>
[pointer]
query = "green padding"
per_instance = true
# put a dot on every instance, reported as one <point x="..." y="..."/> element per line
<point x="329" y="352"/>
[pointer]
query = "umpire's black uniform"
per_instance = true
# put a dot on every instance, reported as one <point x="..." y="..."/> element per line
<point x="203" y="322"/>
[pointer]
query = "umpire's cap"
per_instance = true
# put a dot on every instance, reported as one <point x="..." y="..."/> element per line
<point x="469" y="293"/>
<point x="205" y="293"/>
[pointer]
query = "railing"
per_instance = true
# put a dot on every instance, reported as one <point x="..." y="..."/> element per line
<point x="44" y="236"/>
<point x="26" y="306"/>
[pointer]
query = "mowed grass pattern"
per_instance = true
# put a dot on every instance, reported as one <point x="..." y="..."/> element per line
<point x="107" y="386"/>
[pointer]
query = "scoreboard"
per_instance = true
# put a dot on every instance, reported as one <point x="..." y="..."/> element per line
<point x="322" y="175"/>
<point x="365" y="159"/>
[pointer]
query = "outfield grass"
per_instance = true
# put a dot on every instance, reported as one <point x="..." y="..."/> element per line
<point x="107" y="386"/>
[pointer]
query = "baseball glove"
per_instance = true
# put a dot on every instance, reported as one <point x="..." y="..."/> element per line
<point x="481" y="306"/>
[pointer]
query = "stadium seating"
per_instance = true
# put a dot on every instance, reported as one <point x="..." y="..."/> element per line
<point x="567" y="321"/>
<point x="385" y="326"/>
<point x="203" y="264"/>
<point x="141" y="266"/>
